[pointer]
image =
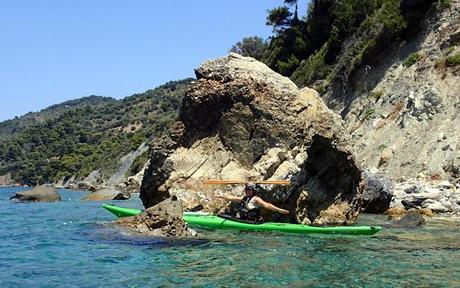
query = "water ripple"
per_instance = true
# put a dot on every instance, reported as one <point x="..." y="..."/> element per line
<point x="74" y="244"/>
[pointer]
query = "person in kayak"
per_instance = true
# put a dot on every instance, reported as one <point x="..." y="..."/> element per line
<point x="251" y="203"/>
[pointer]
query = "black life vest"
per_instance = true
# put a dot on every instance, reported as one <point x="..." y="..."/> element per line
<point x="248" y="213"/>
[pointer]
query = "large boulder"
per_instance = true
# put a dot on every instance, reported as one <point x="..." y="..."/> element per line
<point x="107" y="193"/>
<point x="38" y="194"/>
<point x="161" y="220"/>
<point x="241" y="120"/>
<point x="378" y="192"/>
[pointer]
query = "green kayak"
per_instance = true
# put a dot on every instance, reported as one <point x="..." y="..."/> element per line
<point x="121" y="211"/>
<point x="219" y="222"/>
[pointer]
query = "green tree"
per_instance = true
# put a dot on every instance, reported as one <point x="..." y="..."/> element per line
<point x="250" y="46"/>
<point x="295" y="18"/>
<point x="337" y="37"/>
<point x="279" y="18"/>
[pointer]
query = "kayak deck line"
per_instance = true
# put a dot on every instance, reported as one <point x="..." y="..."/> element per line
<point x="214" y="221"/>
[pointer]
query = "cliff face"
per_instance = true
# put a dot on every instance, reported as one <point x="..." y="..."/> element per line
<point x="241" y="120"/>
<point x="405" y="110"/>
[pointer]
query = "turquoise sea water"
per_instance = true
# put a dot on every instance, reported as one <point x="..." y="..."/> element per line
<point x="73" y="244"/>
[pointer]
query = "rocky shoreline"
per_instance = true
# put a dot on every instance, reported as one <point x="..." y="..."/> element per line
<point x="245" y="138"/>
<point x="381" y="195"/>
<point x="438" y="196"/>
<point x="397" y="198"/>
<point x="241" y="120"/>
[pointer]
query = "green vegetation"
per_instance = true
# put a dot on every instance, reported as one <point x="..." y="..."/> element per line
<point x="337" y="37"/>
<point x="444" y="4"/>
<point x="450" y="61"/>
<point x="334" y="40"/>
<point x="279" y="18"/>
<point x="368" y="113"/>
<point x="453" y="60"/>
<point x="11" y="127"/>
<point x="76" y="137"/>
<point x="382" y="146"/>
<point x="250" y="46"/>
<point x="377" y="94"/>
<point x="412" y="59"/>
<point x="314" y="68"/>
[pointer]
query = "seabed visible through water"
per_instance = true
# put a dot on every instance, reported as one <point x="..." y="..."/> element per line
<point x="73" y="244"/>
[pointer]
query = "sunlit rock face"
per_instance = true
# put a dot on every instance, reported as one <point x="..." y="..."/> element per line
<point x="241" y="120"/>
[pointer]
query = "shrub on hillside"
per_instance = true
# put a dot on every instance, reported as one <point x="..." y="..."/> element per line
<point x="453" y="60"/>
<point x="411" y="59"/>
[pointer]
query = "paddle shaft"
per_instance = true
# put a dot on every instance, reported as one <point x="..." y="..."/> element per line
<point x="223" y="182"/>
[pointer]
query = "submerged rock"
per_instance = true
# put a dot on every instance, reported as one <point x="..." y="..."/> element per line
<point x="163" y="219"/>
<point x="410" y="220"/>
<point x="241" y="120"/>
<point x="107" y="193"/>
<point x="38" y="194"/>
<point x="396" y="212"/>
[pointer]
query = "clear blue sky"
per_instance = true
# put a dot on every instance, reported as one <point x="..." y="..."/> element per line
<point x="52" y="51"/>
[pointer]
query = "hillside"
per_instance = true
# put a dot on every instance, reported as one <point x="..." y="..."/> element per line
<point x="390" y="68"/>
<point x="9" y="128"/>
<point x="74" y="138"/>
<point x="404" y="118"/>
